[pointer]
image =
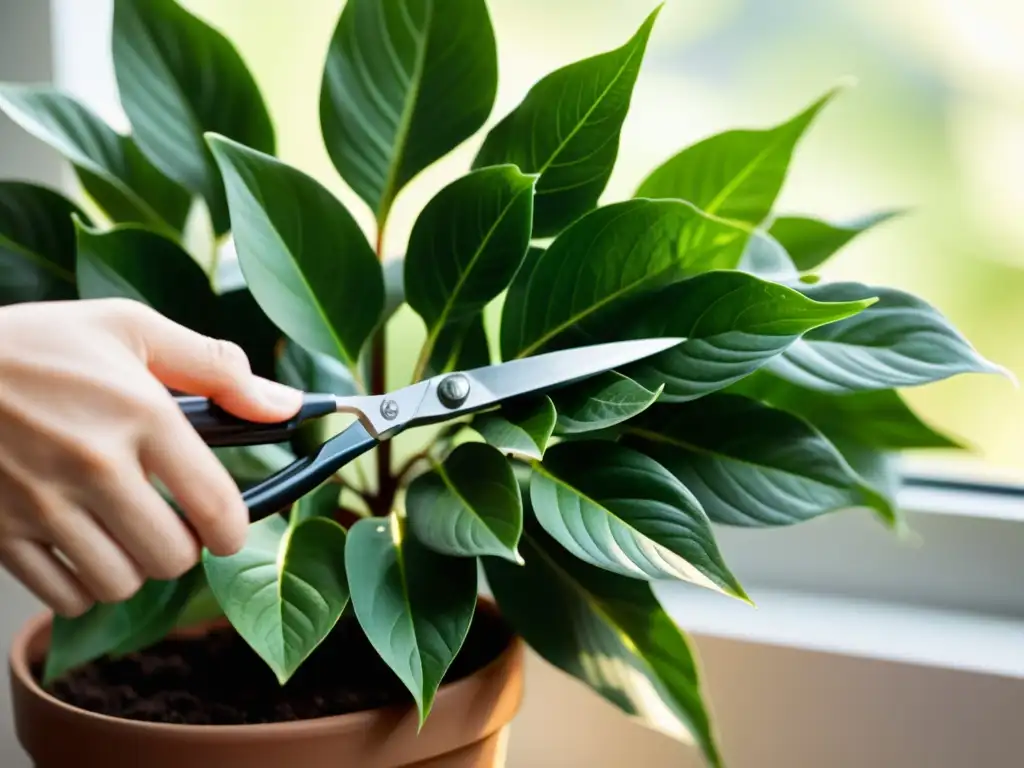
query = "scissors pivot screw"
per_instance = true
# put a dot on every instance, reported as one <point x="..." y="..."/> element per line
<point x="389" y="410"/>
<point x="453" y="390"/>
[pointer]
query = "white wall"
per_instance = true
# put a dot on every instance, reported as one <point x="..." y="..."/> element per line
<point x="24" y="56"/>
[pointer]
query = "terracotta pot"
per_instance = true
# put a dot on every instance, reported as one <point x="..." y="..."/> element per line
<point x="467" y="728"/>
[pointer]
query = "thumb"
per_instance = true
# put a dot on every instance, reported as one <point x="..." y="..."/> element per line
<point x="200" y="365"/>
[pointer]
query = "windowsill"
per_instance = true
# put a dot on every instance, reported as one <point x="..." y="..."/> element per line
<point x="854" y="627"/>
<point x="946" y="597"/>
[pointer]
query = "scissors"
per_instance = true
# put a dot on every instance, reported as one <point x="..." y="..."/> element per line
<point x="381" y="417"/>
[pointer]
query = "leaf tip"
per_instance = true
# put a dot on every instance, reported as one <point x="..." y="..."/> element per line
<point x="736" y="590"/>
<point x="82" y="226"/>
<point x="1002" y="370"/>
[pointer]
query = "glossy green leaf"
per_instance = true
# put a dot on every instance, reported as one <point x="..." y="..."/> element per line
<point x="609" y="632"/>
<point x="600" y="402"/>
<point x="734" y="323"/>
<point x="37" y="244"/>
<point x="736" y="175"/>
<point x="765" y="257"/>
<point x="460" y="347"/>
<point x="405" y="82"/>
<point x="469" y="505"/>
<point x="304" y="257"/>
<point x="879" y="419"/>
<point x="605" y="258"/>
<point x="285" y="590"/>
<point x="394" y="285"/>
<point x="248" y="464"/>
<point x="414" y="604"/>
<point x="322" y="501"/>
<point x="465" y="247"/>
<point x="566" y="130"/>
<point x="615" y="508"/>
<point x="520" y="428"/>
<point x="748" y="464"/>
<point x="112" y="627"/>
<point x="178" y="78"/>
<point x="153" y="625"/>
<point x="241" y="320"/>
<point x="134" y="263"/>
<point x="879" y="470"/>
<point x="313" y="371"/>
<point x="112" y="169"/>
<point x="901" y="341"/>
<point x="810" y="242"/>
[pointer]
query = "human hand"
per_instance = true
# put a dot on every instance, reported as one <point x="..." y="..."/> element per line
<point x="85" y="419"/>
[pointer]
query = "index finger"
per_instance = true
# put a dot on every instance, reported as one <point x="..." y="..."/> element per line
<point x="203" y="488"/>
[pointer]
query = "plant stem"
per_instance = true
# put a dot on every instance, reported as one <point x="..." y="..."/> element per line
<point x="411" y="462"/>
<point x="378" y="385"/>
<point x="424" y="358"/>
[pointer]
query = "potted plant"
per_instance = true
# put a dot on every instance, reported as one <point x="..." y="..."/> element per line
<point x="351" y="629"/>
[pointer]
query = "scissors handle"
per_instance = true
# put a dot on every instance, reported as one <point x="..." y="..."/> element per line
<point x="219" y="429"/>
<point x="290" y="483"/>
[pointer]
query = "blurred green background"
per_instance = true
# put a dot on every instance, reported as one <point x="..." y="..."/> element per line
<point x="934" y="123"/>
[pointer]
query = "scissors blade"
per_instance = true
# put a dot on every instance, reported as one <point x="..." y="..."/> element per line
<point x="494" y="384"/>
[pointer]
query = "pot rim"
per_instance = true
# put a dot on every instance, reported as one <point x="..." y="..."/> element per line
<point x="18" y="664"/>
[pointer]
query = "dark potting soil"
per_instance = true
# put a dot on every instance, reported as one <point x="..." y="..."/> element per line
<point x="219" y="680"/>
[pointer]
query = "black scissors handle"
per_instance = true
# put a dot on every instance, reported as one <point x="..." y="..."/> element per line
<point x="290" y="483"/>
<point x="220" y="429"/>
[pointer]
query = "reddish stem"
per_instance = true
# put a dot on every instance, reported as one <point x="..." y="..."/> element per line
<point x="381" y="503"/>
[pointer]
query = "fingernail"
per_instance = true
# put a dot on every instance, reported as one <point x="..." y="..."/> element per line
<point x="278" y="396"/>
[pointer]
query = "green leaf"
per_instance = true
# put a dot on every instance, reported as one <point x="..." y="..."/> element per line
<point x="303" y="255"/>
<point x="609" y="632"/>
<point x="765" y="257"/>
<point x="37" y="244"/>
<point x="179" y="78"/>
<point x="520" y="428"/>
<point x="394" y="286"/>
<point x="747" y="463"/>
<point x="617" y="509"/>
<point x="465" y="247"/>
<point x="313" y="371"/>
<point x="248" y="464"/>
<point x="734" y="323"/>
<point x="605" y="258"/>
<point x="241" y="320"/>
<point x="414" y="604"/>
<point x="322" y="501"/>
<point x="880" y="472"/>
<point x="600" y="402"/>
<point x="566" y="130"/>
<point x="463" y="346"/>
<point x="163" y="617"/>
<point x="110" y="166"/>
<point x="110" y="627"/>
<point x="470" y="505"/>
<point x="736" y="175"/>
<point x="285" y="590"/>
<point x="879" y="419"/>
<point x="900" y="341"/>
<point x="405" y="82"/>
<point x="131" y="262"/>
<point x="810" y="242"/>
